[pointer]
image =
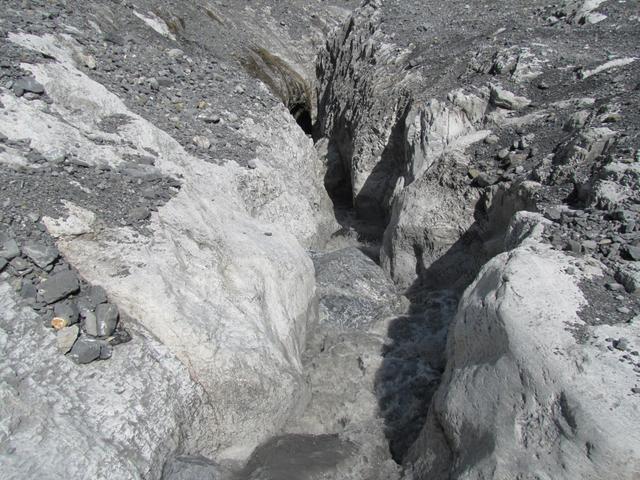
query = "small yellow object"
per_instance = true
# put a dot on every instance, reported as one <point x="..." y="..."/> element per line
<point x="59" y="323"/>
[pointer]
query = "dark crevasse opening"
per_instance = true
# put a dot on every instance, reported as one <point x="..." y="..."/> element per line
<point x="302" y="115"/>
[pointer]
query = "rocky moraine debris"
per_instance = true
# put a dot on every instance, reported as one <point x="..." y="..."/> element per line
<point x="85" y="324"/>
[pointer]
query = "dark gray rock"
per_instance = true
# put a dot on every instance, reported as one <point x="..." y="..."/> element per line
<point x="89" y="321"/>
<point x="21" y="266"/>
<point x="27" y="84"/>
<point x="28" y="291"/>
<point x="106" y="319"/>
<point x="614" y="287"/>
<point x="59" y="286"/>
<point x="55" y="156"/>
<point x="66" y="338"/>
<point x="85" y="350"/>
<point x="621" y="344"/>
<point x="485" y="180"/>
<point x="553" y="214"/>
<point x="113" y="37"/>
<point x="632" y="252"/>
<point x="193" y="468"/>
<point x="3" y="263"/>
<point x="40" y="254"/>
<point x="629" y="277"/>
<point x="98" y="295"/>
<point x="106" y="351"/>
<point x="67" y="310"/>
<point x="354" y="291"/>
<point x="574" y="246"/>
<point x="138" y="214"/>
<point x="118" y="337"/>
<point x="9" y="249"/>
<point x="85" y="304"/>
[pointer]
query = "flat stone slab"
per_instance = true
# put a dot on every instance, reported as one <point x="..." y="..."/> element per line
<point x="59" y="286"/>
<point x="40" y="254"/>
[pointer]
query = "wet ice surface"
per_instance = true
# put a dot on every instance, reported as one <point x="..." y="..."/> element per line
<point x="414" y="360"/>
<point x="298" y="457"/>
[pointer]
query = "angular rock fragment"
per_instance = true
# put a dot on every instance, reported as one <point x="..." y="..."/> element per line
<point x="27" y="84"/>
<point x="66" y="337"/>
<point x="40" y="254"/>
<point x="629" y="276"/>
<point x="504" y="99"/>
<point x="202" y="142"/>
<point x="28" y="291"/>
<point x="90" y="321"/>
<point x="55" y="156"/>
<point x="59" y="286"/>
<point x="106" y="351"/>
<point x="67" y="310"/>
<point x="485" y="180"/>
<point x="98" y="295"/>
<point x="354" y="291"/>
<point x="138" y="214"/>
<point x="107" y="319"/>
<point x="119" y="336"/>
<point x="621" y="344"/>
<point x="9" y="249"/>
<point x="632" y="252"/>
<point x="21" y="266"/>
<point x="58" y="323"/>
<point x="85" y="350"/>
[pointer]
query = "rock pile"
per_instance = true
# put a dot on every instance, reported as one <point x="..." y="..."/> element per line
<point x="86" y="325"/>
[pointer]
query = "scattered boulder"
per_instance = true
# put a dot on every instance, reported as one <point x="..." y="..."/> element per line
<point x="59" y="286"/>
<point x="504" y="99"/>
<point x="27" y="84"/>
<point x="202" y="142"/>
<point x="21" y="266"/>
<point x="85" y="350"/>
<point x="175" y="53"/>
<point x="88" y="61"/>
<point x="9" y="249"/>
<point x="138" y="214"/>
<point x="621" y="344"/>
<point x="106" y="319"/>
<point x="485" y="180"/>
<point x="354" y="292"/>
<point x="106" y="350"/>
<point x="98" y="295"/>
<point x="629" y="276"/>
<point x="632" y="252"/>
<point x="67" y="310"/>
<point x="55" y="156"/>
<point x="89" y="321"/>
<point x="66" y="337"/>
<point x="40" y="254"/>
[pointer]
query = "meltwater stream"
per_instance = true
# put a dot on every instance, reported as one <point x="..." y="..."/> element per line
<point x="372" y="363"/>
